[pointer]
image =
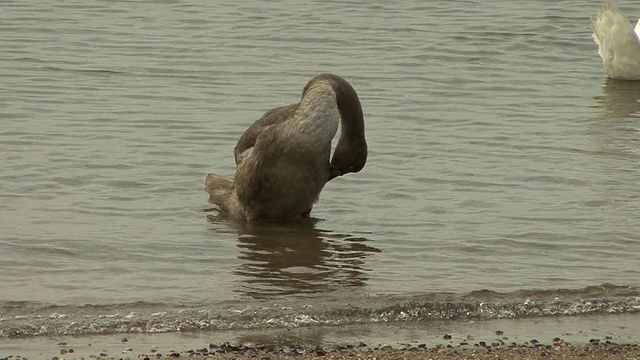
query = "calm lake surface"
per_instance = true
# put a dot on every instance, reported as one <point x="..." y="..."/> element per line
<point x="503" y="165"/>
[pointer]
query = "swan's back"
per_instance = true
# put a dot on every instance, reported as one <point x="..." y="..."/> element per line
<point x="284" y="172"/>
<point x="617" y="45"/>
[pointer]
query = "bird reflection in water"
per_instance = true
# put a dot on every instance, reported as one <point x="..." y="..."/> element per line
<point x="619" y="99"/>
<point x="297" y="258"/>
<point x="618" y="136"/>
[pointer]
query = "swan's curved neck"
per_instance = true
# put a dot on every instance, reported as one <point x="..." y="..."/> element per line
<point x="350" y="154"/>
<point x="351" y="115"/>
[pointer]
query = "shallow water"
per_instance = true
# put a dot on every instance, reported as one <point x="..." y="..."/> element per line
<point x="501" y="158"/>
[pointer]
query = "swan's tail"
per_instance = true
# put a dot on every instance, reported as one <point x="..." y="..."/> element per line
<point x="608" y="25"/>
<point x="617" y="43"/>
<point x="219" y="188"/>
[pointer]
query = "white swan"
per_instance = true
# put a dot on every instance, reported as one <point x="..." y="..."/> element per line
<point x="617" y="42"/>
<point x="282" y="159"/>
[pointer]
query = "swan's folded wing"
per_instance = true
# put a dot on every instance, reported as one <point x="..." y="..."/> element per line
<point x="273" y="116"/>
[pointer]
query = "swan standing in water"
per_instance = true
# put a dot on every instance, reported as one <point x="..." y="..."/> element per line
<point x="617" y="42"/>
<point x="282" y="159"/>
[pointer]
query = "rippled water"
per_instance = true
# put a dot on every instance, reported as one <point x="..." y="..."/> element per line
<point x="501" y="159"/>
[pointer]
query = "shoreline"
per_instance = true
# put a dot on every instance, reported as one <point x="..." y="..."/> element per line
<point x="572" y="337"/>
<point x="559" y="349"/>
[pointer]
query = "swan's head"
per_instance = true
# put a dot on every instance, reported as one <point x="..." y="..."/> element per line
<point x="348" y="157"/>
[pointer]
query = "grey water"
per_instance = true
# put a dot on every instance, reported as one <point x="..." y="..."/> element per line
<point x="503" y="176"/>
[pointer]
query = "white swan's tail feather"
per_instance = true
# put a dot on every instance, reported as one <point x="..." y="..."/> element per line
<point x="608" y="25"/>
<point x="617" y="45"/>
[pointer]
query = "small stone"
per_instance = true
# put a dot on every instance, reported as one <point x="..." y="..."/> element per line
<point x="422" y="346"/>
<point x="594" y="341"/>
<point x="124" y="340"/>
<point x="447" y="337"/>
<point x="62" y="343"/>
<point x="63" y="352"/>
<point x="71" y="351"/>
<point x="499" y="332"/>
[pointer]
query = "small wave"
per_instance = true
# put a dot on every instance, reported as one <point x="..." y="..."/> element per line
<point x="29" y="319"/>
<point x="84" y="71"/>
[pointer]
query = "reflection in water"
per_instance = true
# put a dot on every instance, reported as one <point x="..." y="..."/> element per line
<point x="617" y="151"/>
<point x="619" y="98"/>
<point x="297" y="258"/>
<point x="619" y="137"/>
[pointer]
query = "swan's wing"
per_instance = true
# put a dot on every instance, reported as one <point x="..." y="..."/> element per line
<point x="248" y="138"/>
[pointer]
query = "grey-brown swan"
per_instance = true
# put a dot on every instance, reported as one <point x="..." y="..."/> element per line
<point x="283" y="160"/>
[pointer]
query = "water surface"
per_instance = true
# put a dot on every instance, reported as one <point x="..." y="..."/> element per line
<point x="502" y="163"/>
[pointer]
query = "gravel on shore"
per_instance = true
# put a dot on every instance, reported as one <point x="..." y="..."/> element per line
<point x="584" y="352"/>
<point x="529" y="350"/>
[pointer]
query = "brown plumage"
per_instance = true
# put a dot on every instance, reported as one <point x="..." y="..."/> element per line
<point x="282" y="159"/>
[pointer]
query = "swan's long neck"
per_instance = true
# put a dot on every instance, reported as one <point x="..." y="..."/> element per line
<point x="350" y="154"/>
<point x="315" y="123"/>
<point x="346" y="99"/>
<point x="352" y="118"/>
